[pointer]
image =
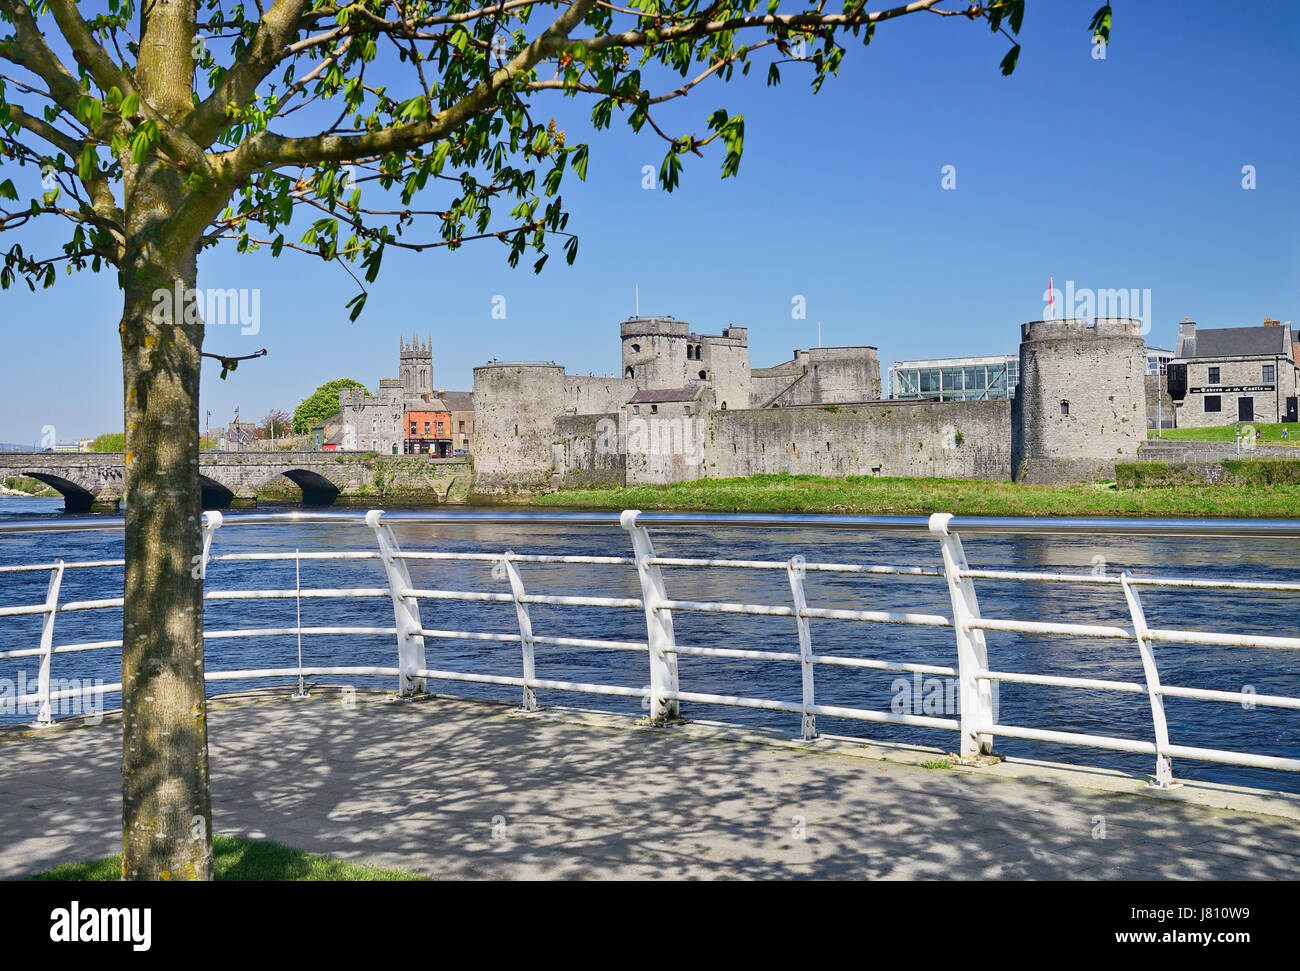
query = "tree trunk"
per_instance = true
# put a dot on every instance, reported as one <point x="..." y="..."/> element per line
<point x="166" y="810"/>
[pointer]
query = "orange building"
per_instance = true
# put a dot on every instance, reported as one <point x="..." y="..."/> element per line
<point x="428" y="431"/>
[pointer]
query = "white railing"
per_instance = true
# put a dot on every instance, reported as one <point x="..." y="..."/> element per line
<point x="977" y="722"/>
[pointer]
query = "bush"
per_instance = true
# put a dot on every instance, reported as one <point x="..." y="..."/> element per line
<point x="109" y="442"/>
<point x="1155" y="475"/>
<point x="321" y="404"/>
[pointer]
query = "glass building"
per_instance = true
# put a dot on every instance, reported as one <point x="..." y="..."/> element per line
<point x="1158" y="359"/>
<point x="956" y="378"/>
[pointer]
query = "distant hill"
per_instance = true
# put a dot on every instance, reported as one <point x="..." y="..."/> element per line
<point x="11" y="447"/>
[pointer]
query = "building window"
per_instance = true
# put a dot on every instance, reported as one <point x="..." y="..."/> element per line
<point x="654" y="409"/>
<point x="1268" y="372"/>
<point x="1213" y="402"/>
<point x="636" y="348"/>
<point x="426" y="428"/>
<point x="636" y="409"/>
<point x="724" y="406"/>
<point x="1214" y="378"/>
<point x="462" y="426"/>
<point x="1065" y="409"/>
<point x="704" y="375"/>
<point x="686" y="409"/>
<point x="412" y="429"/>
<point x="374" y="424"/>
<point x="628" y="372"/>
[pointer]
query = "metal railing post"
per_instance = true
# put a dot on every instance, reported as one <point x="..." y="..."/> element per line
<point x="658" y="621"/>
<point x="975" y="695"/>
<point x="795" y="570"/>
<point x="297" y="596"/>
<point x="211" y="523"/>
<point x="47" y="646"/>
<point x="1164" y="778"/>
<point x="406" y="609"/>
<point x="529" y="701"/>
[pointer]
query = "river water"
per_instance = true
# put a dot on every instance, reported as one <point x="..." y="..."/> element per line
<point x="1212" y="724"/>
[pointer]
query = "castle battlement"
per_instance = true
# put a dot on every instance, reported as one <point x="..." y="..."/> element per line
<point x="1075" y="328"/>
<point x="654" y="327"/>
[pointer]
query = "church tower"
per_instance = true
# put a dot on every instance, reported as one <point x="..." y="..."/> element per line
<point x="416" y="365"/>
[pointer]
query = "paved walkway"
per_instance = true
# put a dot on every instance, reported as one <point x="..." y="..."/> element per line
<point x="460" y="789"/>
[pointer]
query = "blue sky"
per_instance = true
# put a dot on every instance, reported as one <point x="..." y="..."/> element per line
<point x="1117" y="173"/>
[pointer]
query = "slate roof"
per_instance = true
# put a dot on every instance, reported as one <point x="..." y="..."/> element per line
<point x="459" y="400"/>
<point x="1235" y="342"/>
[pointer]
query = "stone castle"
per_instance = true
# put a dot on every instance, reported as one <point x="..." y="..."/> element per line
<point x="689" y="406"/>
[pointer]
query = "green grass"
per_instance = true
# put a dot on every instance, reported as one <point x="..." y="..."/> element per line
<point x="236" y="858"/>
<point x="872" y="495"/>
<point x="936" y="764"/>
<point x="34" y="487"/>
<point x="1270" y="433"/>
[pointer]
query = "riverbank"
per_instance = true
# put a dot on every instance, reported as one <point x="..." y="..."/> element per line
<point x="872" y="495"/>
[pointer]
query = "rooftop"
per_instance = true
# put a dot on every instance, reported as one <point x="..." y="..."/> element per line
<point x="1234" y="342"/>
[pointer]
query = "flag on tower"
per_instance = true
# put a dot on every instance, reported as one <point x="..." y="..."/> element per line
<point x="1051" y="296"/>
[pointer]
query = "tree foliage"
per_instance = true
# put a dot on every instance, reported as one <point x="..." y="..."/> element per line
<point x="309" y="105"/>
<point x="321" y="404"/>
<point x="109" y="442"/>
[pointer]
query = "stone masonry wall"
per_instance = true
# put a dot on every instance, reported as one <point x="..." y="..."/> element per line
<point x="964" y="439"/>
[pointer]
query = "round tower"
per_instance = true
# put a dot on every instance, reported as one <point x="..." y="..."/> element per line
<point x="515" y="407"/>
<point x="655" y="351"/>
<point x="1081" y="403"/>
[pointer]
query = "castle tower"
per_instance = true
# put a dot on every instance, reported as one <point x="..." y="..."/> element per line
<point x="416" y="365"/>
<point x="1081" y="403"/>
<point x="655" y="351"/>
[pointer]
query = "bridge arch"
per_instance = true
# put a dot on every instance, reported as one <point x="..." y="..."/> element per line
<point x="215" y="495"/>
<point x="76" y="498"/>
<point x="317" y="490"/>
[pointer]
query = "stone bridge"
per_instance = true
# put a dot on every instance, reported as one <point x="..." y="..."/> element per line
<point x="93" y="481"/>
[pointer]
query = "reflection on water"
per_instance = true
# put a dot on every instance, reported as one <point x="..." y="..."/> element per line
<point x="1211" y="724"/>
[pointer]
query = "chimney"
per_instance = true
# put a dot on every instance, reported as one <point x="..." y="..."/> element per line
<point x="1186" y="338"/>
<point x="1270" y="322"/>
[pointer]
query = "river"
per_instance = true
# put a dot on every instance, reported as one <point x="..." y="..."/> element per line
<point x="1212" y="724"/>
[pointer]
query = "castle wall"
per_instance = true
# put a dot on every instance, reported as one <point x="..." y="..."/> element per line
<point x="589" y="453"/>
<point x="820" y="375"/>
<point x="666" y="448"/>
<point x="958" y="439"/>
<point x="1160" y="406"/>
<point x="1081" y="405"/>
<point x="596" y="396"/>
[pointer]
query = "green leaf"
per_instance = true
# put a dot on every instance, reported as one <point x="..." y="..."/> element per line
<point x="1009" y="62"/>
<point x="1100" y="25"/>
<point x="7" y="190"/>
<point x="358" y="304"/>
<point x="86" y="165"/>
